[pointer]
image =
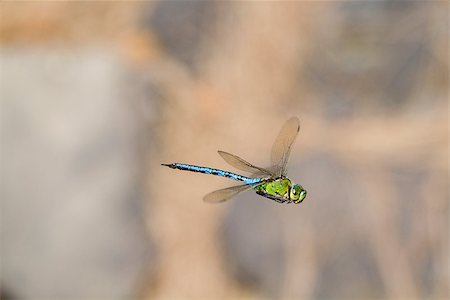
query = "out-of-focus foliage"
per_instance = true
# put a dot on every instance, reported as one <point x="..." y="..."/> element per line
<point x="175" y="82"/>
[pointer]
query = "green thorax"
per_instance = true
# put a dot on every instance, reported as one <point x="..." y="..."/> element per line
<point x="279" y="187"/>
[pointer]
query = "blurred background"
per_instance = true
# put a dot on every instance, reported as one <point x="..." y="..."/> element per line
<point x="96" y="95"/>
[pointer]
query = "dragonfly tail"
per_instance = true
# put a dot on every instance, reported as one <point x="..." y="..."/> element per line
<point x="212" y="171"/>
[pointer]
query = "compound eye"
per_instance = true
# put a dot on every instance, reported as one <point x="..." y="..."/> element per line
<point x="295" y="192"/>
<point x="302" y="195"/>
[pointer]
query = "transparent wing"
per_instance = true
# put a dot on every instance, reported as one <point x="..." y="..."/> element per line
<point x="243" y="165"/>
<point x="282" y="145"/>
<point x="225" y="194"/>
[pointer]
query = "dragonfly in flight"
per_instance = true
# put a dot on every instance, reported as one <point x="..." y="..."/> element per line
<point x="271" y="182"/>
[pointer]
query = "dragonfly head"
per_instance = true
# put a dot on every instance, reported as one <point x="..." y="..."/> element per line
<point x="297" y="193"/>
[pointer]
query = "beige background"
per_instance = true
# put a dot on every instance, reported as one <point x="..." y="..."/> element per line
<point x="95" y="95"/>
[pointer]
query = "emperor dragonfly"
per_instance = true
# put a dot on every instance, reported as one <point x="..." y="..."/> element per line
<point x="271" y="183"/>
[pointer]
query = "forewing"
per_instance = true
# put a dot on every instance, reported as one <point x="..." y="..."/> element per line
<point x="282" y="146"/>
<point x="243" y="165"/>
<point x="225" y="194"/>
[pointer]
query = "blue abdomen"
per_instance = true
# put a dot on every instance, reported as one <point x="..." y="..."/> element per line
<point x="217" y="172"/>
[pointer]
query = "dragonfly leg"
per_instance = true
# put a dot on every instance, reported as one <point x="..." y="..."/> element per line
<point x="275" y="198"/>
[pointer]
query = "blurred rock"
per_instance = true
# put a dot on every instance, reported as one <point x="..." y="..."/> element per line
<point x="366" y="62"/>
<point x="348" y="269"/>
<point x="72" y="217"/>
<point x="182" y="28"/>
<point x="254" y="244"/>
<point x="350" y="273"/>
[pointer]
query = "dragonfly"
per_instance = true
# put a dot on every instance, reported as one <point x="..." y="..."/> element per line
<point x="271" y="183"/>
